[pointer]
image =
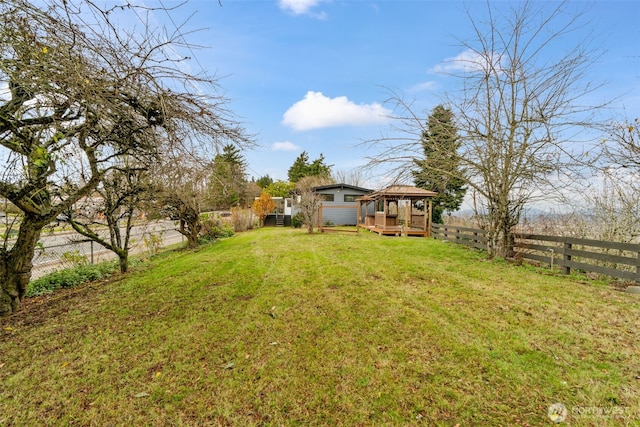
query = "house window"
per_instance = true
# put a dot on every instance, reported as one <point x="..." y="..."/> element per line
<point x="351" y="197"/>
<point x="326" y="197"/>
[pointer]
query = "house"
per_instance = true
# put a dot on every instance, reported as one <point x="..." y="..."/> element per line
<point x="339" y="203"/>
<point x="338" y="207"/>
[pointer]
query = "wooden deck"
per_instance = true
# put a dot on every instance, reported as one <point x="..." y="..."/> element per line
<point x="395" y="230"/>
<point x="394" y="211"/>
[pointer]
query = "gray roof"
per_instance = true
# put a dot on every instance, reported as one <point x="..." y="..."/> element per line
<point x="342" y="187"/>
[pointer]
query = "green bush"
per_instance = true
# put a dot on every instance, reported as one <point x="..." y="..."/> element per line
<point x="70" y="277"/>
<point x="153" y="242"/>
<point x="297" y="220"/>
<point x="74" y="258"/>
<point x="213" y="228"/>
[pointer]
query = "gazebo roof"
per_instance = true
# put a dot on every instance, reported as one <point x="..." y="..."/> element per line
<point x="400" y="192"/>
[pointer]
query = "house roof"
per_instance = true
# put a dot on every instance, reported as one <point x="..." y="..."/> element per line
<point x="342" y="187"/>
<point x="401" y="192"/>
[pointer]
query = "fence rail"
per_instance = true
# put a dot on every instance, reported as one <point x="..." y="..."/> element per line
<point x="473" y="237"/>
<point x="612" y="259"/>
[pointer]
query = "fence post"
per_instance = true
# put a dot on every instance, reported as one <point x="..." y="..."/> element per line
<point x="566" y="258"/>
<point x="91" y="242"/>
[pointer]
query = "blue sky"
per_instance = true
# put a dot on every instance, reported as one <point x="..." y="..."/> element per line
<point x="313" y="75"/>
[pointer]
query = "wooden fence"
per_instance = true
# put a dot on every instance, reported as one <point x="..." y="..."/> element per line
<point x="467" y="236"/>
<point x="619" y="260"/>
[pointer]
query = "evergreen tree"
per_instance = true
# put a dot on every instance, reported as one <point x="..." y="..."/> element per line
<point x="264" y="181"/>
<point x="440" y="142"/>
<point x="227" y="183"/>
<point x="302" y="167"/>
<point x="319" y="168"/>
<point x="299" y="167"/>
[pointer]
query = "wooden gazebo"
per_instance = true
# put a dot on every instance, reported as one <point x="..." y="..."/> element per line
<point x="393" y="211"/>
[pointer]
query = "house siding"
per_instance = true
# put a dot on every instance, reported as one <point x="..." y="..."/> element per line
<point x="342" y="215"/>
<point x="339" y="211"/>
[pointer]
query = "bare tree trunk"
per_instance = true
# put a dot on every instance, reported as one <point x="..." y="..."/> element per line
<point x="191" y="230"/>
<point x="16" y="265"/>
<point x="123" y="261"/>
<point x="492" y="242"/>
<point x="508" y="242"/>
<point x="500" y="239"/>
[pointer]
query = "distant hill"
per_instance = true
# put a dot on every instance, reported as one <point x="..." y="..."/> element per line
<point x="528" y="213"/>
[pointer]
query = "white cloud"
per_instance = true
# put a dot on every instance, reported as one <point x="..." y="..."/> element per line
<point x="284" y="146"/>
<point x="300" y="7"/>
<point x="424" y="86"/>
<point x="466" y="61"/>
<point x="317" y="111"/>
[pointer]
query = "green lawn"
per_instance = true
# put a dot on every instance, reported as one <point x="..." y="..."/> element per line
<point x="277" y="327"/>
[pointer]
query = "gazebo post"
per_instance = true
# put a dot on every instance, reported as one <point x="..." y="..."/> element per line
<point x="407" y="215"/>
<point x="430" y="216"/>
<point x="385" y="208"/>
<point x="425" y="209"/>
<point x="365" y="213"/>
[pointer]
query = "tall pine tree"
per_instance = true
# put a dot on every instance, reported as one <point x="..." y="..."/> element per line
<point x="299" y="167"/>
<point x="228" y="183"/>
<point x="264" y="181"/>
<point x="302" y="167"/>
<point x="439" y="170"/>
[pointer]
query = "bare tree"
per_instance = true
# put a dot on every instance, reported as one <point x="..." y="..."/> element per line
<point x="614" y="206"/>
<point x="354" y="177"/>
<point x="614" y="202"/>
<point x="183" y="181"/>
<point x="118" y="199"/>
<point x="622" y="147"/>
<point x="308" y="201"/>
<point x="83" y="94"/>
<point x="519" y="112"/>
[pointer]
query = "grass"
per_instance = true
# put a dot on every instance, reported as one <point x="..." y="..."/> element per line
<point x="277" y="327"/>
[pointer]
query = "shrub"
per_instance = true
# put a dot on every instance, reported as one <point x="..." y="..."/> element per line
<point x="297" y="220"/>
<point x="70" y="277"/>
<point x="241" y="219"/>
<point x="213" y="229"/>
<point x="153" y="242"/>
<point x="74" y="258"/>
